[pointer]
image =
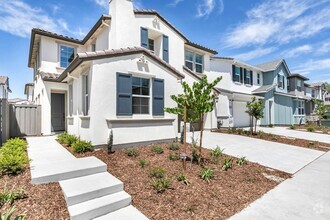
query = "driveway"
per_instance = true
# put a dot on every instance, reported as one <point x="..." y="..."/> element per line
<point x="284" y="131"/>
<point x="305" y="196"/>
<point x="278" y="156"/>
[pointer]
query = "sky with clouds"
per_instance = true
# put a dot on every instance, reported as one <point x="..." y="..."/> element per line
<point x="253" y="31"/>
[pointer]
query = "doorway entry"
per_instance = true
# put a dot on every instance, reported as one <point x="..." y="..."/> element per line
<point x="58" y="112"/>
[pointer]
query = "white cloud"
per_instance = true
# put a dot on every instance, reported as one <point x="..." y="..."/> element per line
<point x="312" y="66"/>
<point x="174" y="3"/>
<point x="19" y="18"/>
<point x="294" y="52"/>
<point x="323" y="48"/>
<point x="104" y="4"/>
<point x="259" y="52"/>
<point x="205" y="8"/>
<point x="279" y="22"/>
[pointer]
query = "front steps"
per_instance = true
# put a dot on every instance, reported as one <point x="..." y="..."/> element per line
<point x="127" y="213"/>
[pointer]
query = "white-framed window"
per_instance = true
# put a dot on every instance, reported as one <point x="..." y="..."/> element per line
<point x="299" y="87"/>
<point x="300" y="107"/>
<point x="194" y="61"/>
<point x="247" y="77"/>
<point x="85" y="95"/>
<point x="237" y="74"/>
<point x="280" y="80"/>
<point x="66" y="55"/>
<point x="140" y="95"/>
<point x="258" y="79"/>
<point x="288" y="84"/>
<point x="151" y="43"/>
<point x="70" y="99"/>
<point x="93" y="47"/>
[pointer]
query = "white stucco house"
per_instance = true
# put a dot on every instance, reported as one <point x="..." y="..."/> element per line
<point x="4" y="87"/>
<point x="119" y="77"/>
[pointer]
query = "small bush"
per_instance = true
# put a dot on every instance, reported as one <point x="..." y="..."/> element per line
<point x="310" y="129"/>
<point x="248" y="132"/>
<point x="9" y="213"/>
<point x="261" y="134"/>
<point x="132" y="152"/>
<point x="241" y="161"/>
<point x="216" y="154"/>
<point x="174" y="157"/>
<point x="273" y="137"/>
<point x="183" y="178"/>
<point x="157" y="149"/>
<point x="143" y="163"/>
<point x="82" y="146"/>
<point x="207" y="174"/>
<point x="311" y="143"/>
<point x="161" y="184"/>
<point x="157" y="172"/>
<point x="9" y="197"/>
<point x="67" y="139"/>
<point x="15" y="144"/>
<point x="240" y="131"/>
<point x="292" y="127"/>
<point x="229" y="131"/>
<point x="174" y="147"/>
<point x="227" y="164"/>
<point x="271" y="125"/>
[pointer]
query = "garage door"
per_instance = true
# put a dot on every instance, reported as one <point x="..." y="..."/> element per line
<point x="241" y="118"/>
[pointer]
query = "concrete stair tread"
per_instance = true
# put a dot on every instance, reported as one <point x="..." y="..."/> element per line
<point x="127" y="213"/>
<point x="56" y="171"/>
<point x="84" y="188"/>
<point x="99" y="206"/>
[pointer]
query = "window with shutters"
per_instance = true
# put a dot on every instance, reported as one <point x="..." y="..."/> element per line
<point x="258" y="79"/>
<point x="280" y="80"/>
<point x="237" y="74"/>
<point x="140" y="95"/>
<point x="247" y="77"/>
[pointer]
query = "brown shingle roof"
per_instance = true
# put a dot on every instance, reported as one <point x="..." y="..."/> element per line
<point x="81" y="57"/>
<point x="49" y="76"/>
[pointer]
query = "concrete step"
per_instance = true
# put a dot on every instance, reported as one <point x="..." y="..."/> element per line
<point x="127" y="213"/>
<point x="54" y="172"/>
<point x="89" y="187"/>
<point x="99" y="206"/>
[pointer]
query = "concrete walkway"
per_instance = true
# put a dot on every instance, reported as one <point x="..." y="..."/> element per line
<point x="284" y="131"/>
<point x="305" y="196"/>
<point x="278" y="156"/>
<point x="89" y="190"/>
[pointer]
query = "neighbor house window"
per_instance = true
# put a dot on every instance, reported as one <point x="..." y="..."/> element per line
<point x="258" y="78"/>
<point x="93" y="47"/>
<point x="313" y="93"/>
<point x="70" y="99"/>
<point x="300" y="107"/>
<point x="237" y="74"/>
<point x="194" y="61"/>
<point x="140" y="95"/>
<point x="85" y="95"/>
<point x="151" y="44"/>
<point x="247" y="76"/>
<point x="299" y="85"/>
<point x="288" y="84"/>
<point x="66" y="55"/>
<point x="280" y="80"/>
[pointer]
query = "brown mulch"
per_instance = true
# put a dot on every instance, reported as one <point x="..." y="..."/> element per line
<point x="325" y="147"/>
<point x="44" y="201"/>
<point x="227" y="194"/>
<point x="318" y="129"/>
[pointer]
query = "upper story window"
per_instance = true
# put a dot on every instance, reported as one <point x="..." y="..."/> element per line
<point x="66" y="55"/>
<point x="313" y="93"/>
<point x="248" y="77"/>
<point x="194" y="61"/>
<point x="151" y="45"/>
<point x="140" y="95"/>
<point x="299" y="87"/>
<point x="258" y="79"/>
<point x="288" y="84"/>
<point x="280" y="80"/>
<point x="237" y="74"/>
<point x="93" y="47"/>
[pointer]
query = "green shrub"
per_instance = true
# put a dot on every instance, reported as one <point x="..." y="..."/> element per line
<point x="271" y="125"/>
<point x="157" y="149"/>
<point x="248" y="132"/>
<point x="183" y="178"/>
<point x="143" y="163"/>
<point x="207" y="174"/>
<point x="132" y="152"/>
<point x="9" y="197"/>
<point x="15" y="144"/>
<point x="174" y="147"/>
<point x="292" y="127"/>
<point x="240" y="131"/>
<point x="161" y="184"/>
<point x="311" y="143"/>
<point x="310" y="129"/>
<point x="227" y="164"/>
<point x="241" y="161"/>
<point x="9" y="213"/>
<point x="274" y="137"/>
<point x="157" y="172"/>
<point x="82" y="146"/>
<point x="229" y="131"/>
<point x="174" y="157"/>
<point x="216" y="154"/>
<point x="67" y="139"/>
<point x="261" y="134"/>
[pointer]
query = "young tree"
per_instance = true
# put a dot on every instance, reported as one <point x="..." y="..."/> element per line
<point x="320" y="110"/>
<point x="255" y="110"/>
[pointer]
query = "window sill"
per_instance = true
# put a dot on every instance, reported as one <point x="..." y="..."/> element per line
<point x="238" y="83"/>
<point x="248" y="85"/>
<point x="70" y="117"/>
<point x="85" y="117"/>
<point x="139" y="119"/>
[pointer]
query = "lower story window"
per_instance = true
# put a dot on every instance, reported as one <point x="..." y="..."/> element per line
<point x="301" y="108"/>
<point x="140" y="95"/>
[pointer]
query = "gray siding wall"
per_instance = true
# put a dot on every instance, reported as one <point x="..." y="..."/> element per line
<point x="268" y="78"/>
<point x="283" y="110"/>
<point x="281" y="69"/>
<point x="268" y="96"/>
<point x="4" y="121"/>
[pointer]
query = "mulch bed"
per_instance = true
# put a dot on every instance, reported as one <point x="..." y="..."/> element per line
<point x="227" y="194"/>
<point x="44" y="201"/>
<point x="285" y="140"/>
<point x="320" y="130"/>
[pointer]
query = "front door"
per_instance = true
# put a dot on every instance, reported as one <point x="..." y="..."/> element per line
<point x="58" y="112"/>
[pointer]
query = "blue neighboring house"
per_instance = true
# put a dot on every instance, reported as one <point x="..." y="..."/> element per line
<point x="284" y="94"/>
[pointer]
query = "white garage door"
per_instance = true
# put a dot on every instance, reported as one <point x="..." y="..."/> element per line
<point x="241" y="118"/>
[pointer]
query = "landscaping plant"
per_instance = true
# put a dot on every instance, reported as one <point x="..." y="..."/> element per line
<point x="241" y="161"/>
<point x="132" y="152"/>
<point x="174" y="157"/>
<point x="216" y="154"/>
<point x="310" y="128"/>
<point x="81" y="146"/>
<point x="292" y="127"/>
<point x="161" y="184"/>
<point x="240" y="131"/>
<point x="143" y="163"/>
<point x="182" y="178"/>
<point x="157" y="172"/>
<point x="174" y="147"/>
<point x="9" y="213"/>
<point x="320" y="110"/>
<point x="255" y="111"/>
<point x="9" y="197"/>
<point x="157" y="149"/>
<point x="227" y="164"/>
<point x="67" y="139"/>
<point x="207" y="174"/>
<point x="261" y="134"/>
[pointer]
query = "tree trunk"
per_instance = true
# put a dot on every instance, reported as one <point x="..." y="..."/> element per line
<point x="201" y="138"/>
<point x="251" y="123"/>
<point x="185" y="134"/>
<point x="255" y="126"/>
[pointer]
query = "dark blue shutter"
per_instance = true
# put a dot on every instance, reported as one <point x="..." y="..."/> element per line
<point x="144" y="38"/>
<point x="157" y="96"/>
<point x="241" y="74"/>
<point x="233" y="73"/>
<point x="165" y="49"/>
<point x="251" y="77"/>
<point x="245" y="76"/>
<point x="124" y="94"/>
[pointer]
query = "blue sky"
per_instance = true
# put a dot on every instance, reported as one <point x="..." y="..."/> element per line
<point x="253" y="31"/>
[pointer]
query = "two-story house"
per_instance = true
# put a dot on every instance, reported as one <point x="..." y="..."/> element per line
<point x="119" y="77"/>
<point x="4" y="87"/>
